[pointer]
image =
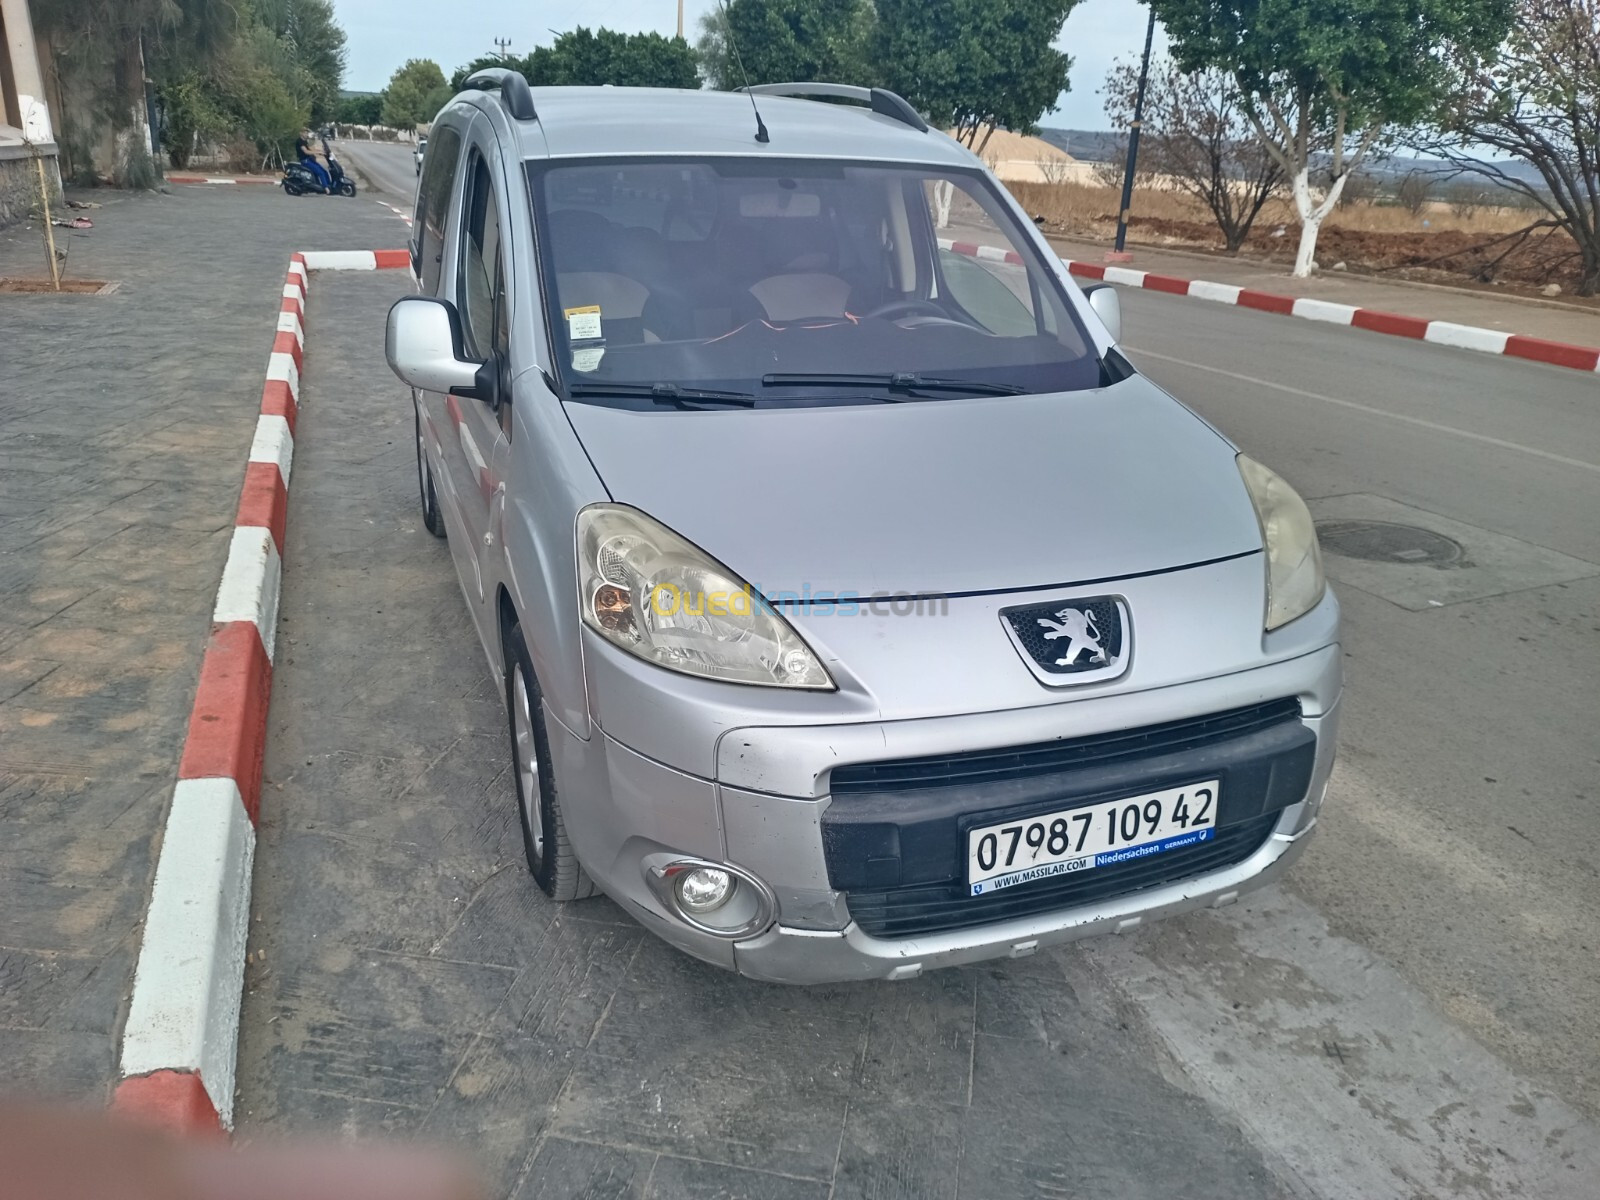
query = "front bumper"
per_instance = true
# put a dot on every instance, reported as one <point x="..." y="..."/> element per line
<point x="764" y="815"/>
<point x="787" y="955"/>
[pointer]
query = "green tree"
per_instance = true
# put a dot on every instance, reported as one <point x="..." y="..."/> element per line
<point x="1326" y="78"/>
<point x="363" y="108"/>
<point x="585" y="58"/>
<point x="416" y="92"/>
<point x="316" y="47"/>
<point x="787" y="41"/>
<point x="971" y="64"/>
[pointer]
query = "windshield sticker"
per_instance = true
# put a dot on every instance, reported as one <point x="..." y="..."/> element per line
<point x="583" y="324"/>
<point x="588" y="359"/>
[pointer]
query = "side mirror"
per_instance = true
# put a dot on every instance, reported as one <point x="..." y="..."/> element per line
<point x="1107" y="305"/>
<point x="423" y="346"/>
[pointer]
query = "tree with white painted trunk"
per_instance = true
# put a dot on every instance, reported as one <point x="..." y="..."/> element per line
<point x="1321" y="80"/>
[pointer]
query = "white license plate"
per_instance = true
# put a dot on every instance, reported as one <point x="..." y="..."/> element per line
<point x="1089" y="836"/>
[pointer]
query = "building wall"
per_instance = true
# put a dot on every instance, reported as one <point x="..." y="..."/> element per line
<point x="26" y="133"/>
<point x="19" y="186"/>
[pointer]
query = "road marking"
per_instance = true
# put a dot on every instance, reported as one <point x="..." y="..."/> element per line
<point x="1436" y="426"/>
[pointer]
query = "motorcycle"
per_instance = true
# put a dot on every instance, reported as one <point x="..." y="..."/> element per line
<point x="301" y="180"/>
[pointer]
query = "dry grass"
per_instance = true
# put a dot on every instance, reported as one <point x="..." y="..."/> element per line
<point x="1439" y="244"/>
<point x="1085" y="208"/>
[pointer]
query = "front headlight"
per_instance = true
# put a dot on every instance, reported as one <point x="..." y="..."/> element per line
<point x="1294" y="560"/>
<point x="644" y="588"/>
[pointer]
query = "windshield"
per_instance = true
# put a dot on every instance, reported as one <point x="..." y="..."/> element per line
<point x="746" y="276"/>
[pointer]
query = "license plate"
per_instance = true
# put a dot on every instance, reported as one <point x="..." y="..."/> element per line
<point x="1089" y="836"/>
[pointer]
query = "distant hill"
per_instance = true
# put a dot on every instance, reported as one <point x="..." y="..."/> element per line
<point x="1086" y="145"/>
<point x="1104" y="145"/>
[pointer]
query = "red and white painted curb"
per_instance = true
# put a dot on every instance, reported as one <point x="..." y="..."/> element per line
<point x="180" y="1044"/>
<point x="1442" y="333"/>
<point x="222" y="179"/>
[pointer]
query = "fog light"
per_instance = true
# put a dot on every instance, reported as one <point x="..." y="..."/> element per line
<point x="704" y="889"/>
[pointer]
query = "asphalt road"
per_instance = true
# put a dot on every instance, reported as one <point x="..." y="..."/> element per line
<point x="386" y="167"/>
<point x="1413" y="1013"/>
<point x="1462" y="835"/>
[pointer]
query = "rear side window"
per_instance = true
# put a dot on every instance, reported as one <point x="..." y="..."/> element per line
<point x="433" y="206"/>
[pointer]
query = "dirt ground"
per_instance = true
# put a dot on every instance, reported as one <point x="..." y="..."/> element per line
<point x="1475" y="248"/>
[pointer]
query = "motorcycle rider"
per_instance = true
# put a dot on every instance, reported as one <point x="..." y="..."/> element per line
<point x="311" y="160"/>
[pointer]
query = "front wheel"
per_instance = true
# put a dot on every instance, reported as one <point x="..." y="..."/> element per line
<point x="346" y="188"/>
<point x="551" y="860"/>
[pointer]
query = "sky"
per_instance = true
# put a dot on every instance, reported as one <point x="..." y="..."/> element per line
<point x="384" y="33"/>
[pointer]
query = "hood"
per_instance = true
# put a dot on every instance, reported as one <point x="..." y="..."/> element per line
<point x="937" y="496"/>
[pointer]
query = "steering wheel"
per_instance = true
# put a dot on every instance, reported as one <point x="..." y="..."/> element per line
<point x="909" y="308"/>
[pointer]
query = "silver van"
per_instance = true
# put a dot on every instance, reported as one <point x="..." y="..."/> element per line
<point x="861" y="609"/>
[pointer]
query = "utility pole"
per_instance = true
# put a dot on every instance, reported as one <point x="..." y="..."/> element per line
<point x="501" y="45"/>
<point x="680" y="18"/>
<point x="1133" y="136"/>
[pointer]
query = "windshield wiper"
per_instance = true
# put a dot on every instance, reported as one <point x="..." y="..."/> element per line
<point x="665" y="393"/>
<point x="900" y="381"/>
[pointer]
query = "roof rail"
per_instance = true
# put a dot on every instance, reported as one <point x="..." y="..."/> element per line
<point x="513" y="88"/>
<point x="882" y="101"/>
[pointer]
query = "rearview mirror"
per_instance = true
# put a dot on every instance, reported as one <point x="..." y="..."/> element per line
<point x="1107" y="305"/>
<point x="423" y="346"/>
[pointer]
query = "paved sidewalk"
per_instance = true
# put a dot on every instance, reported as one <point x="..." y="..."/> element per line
<point x="409" y="978"/>
<point x="1462" y="306"/>
<point x="124" y="425"/>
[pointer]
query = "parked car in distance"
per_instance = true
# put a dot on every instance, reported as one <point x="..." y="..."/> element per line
<point x="860" y="608"/>
<point x="422" y="149"/>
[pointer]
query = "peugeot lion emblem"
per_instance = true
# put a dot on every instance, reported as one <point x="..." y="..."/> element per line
<point x="1082" y="640"/>
<point x="1078" y="626"/>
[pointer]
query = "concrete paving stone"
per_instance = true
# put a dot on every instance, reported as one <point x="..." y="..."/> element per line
<point x="364" y="1026"/>
<point x="499" y="1102"/>
<point x="1032" y="999"/>
<point x="325" y="871"/>
<point x="83" y="904"/>
<point x="17" y="675"/>
<point x="565" y="1169"/>
<point x="414" y="799"/>
<point x="49" y="808"/>
<point x="118" y="720"/>
<point x="919" y="1040"/>
<point x="694" y="1180"/>
<point x="723" y="1021"/>
<point x="35" y="985"/>
<point x="53" y="1064"/>
<point x="96" y="1005"/>
<point x="900" y="1151"/>
<point x="504" y="920"/>
<point x="569" y="991"/>
<point x="743" y="1115"/>
<point x="1093" y="1119"/>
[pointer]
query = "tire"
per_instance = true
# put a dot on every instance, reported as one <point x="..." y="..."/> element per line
<point x="294" y="189"/>
<point x="551" y="860"/>
<point x="346" y="188"/>
<point x="432" y="518"/>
